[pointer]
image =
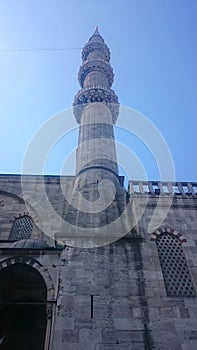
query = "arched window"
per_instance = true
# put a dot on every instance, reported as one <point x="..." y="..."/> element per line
<point x="174" y="267"/>
<point x="21" y="228"/>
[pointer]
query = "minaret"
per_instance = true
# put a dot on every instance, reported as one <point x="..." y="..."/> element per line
<point x="97" y="198"/>
<point x="96" y="109"/>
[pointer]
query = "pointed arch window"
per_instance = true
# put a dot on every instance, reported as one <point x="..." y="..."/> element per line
<point x="21" y="228"/>
<point x="174" y="267"/>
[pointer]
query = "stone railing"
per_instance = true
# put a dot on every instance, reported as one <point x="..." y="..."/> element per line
<point x="163" y="188"/>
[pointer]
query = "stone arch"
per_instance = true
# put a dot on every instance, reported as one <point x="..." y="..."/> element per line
<point x="12" y="192"/>
<point x="20" y="215"/>
<point x="30" y="209"/>
<point x="37" y="266"/>
<point x="25" y="311"/>
<point x="170" y="231"/>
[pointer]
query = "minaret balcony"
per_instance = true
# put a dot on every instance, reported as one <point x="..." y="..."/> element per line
<point x="96" y="65"/>
<point x="96" y="94"/>
<point x="96" y="47"/>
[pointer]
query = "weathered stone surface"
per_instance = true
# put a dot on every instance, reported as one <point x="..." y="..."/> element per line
<point x="124" y="278"/>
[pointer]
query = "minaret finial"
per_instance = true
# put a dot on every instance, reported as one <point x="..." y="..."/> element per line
<point x="96" y="32"/>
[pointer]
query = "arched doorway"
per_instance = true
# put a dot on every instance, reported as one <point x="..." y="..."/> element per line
<point x="23" y="318"/>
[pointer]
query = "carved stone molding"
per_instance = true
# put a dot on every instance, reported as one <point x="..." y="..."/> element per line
<point x="90" y="47"/>
<point x="36" y="265"/>
<point x="170" y="231"/>
<point x="92" y="95"/>
<point x="95" y="65"/>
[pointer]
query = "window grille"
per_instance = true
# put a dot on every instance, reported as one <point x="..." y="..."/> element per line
<point x="21" y="228"/>
<point x="174" y="267"/>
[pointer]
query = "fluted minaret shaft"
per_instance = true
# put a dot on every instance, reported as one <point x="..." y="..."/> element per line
<point x="96" y="110"/>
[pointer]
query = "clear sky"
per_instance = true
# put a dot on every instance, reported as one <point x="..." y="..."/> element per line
<point x="153" y="46"/>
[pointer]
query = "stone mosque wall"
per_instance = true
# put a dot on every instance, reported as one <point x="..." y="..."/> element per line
<point x="138" y="292"/>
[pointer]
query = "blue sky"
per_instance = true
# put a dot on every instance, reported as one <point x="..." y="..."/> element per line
<point x="153" y="46"/>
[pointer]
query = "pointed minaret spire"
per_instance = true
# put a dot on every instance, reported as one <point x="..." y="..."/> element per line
<point x="96" y="32"/>
<point x="96" y="36"/>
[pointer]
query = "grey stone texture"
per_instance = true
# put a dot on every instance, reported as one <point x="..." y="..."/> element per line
<point x="112" y="296"/>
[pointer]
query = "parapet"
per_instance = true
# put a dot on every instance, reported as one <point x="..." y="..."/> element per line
<point x="163" y="188"/>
